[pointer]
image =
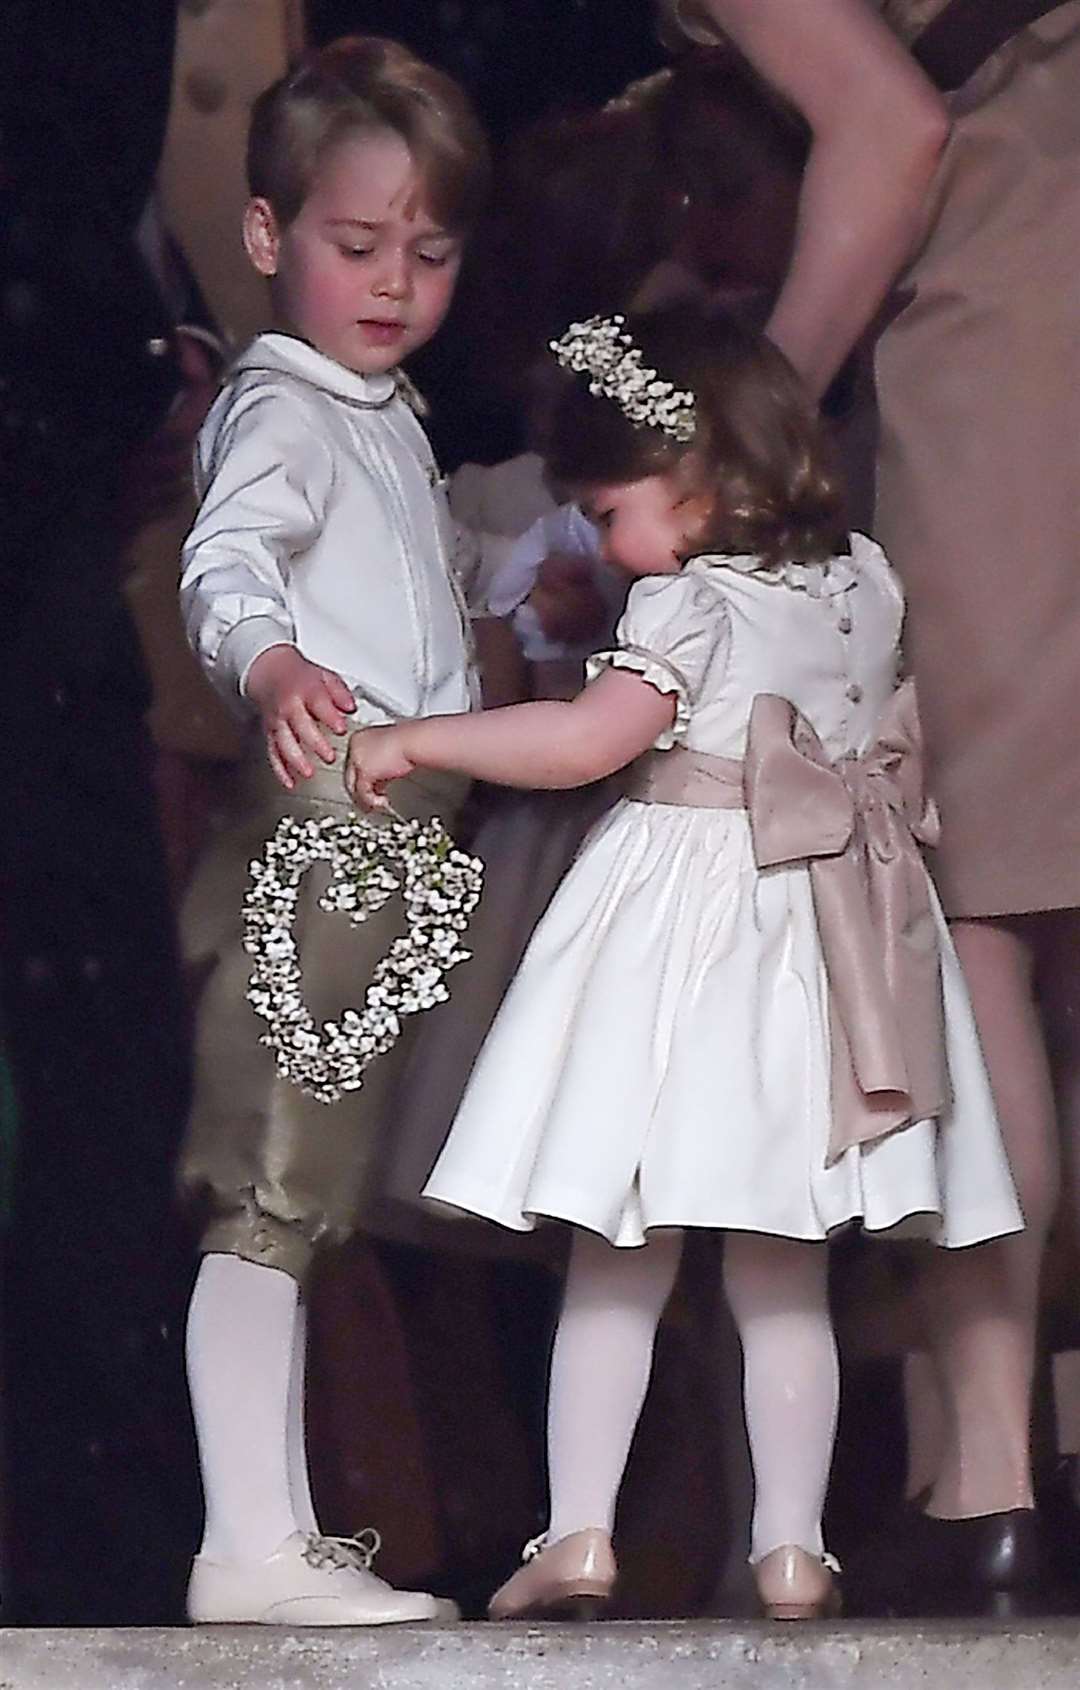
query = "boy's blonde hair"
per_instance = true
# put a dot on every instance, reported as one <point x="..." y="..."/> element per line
<point x="759" y="448"/>
<point x="365" y="83"/>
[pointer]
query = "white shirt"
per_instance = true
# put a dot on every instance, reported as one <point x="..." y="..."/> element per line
<point x="323" y="524"/>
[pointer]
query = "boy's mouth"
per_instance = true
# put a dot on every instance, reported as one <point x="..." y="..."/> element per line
<point x="381" y="333"/>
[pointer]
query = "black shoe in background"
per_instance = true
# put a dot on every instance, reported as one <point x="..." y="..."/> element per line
<point x="990" y="1566"/>
<point x="1059" y="1506"/>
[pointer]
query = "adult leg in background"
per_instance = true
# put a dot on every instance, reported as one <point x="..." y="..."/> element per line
<point x="976" y="1548"/>
<point x="982" y="1305"/>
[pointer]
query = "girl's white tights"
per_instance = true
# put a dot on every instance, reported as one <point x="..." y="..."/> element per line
<point x="602" y="1358"/>
<point x="600" y="1366"/>
<point x="246" y="1337"/>
<point x="778" y="1292"/>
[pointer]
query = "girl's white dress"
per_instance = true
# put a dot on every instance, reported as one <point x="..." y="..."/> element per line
<point x="662" y="1058"/>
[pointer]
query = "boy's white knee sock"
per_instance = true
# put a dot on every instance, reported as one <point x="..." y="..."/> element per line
<point x="295" y="1435"/>
<point x="241" y="1360"/>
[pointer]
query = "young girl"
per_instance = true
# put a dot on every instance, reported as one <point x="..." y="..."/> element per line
<point x="317" y="585"/>
<point x="742" y="1010"/>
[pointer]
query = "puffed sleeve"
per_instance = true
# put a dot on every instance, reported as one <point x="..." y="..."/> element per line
<point x="674" y="633"/>
<point x="267" y="474"/>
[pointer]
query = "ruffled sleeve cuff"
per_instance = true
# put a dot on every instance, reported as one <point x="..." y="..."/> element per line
<point x="659" y="673"/>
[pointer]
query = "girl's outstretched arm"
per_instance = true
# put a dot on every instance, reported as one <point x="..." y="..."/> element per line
<point x="877" y="129"/>
<point x="546" y="744"/>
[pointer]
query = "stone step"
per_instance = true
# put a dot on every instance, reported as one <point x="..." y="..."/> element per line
<point x="677" y="1655"/>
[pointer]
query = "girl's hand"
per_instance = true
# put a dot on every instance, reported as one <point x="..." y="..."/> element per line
<point x="375" y="757"/>
<point x="294" y="697"/>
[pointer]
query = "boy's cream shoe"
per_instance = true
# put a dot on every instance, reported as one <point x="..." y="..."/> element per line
<point x="310" y="1580"/>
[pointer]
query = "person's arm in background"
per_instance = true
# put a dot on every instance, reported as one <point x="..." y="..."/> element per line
<point x="877" y="130"/>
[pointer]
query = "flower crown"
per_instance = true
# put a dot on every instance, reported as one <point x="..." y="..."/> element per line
<point x="601" y="348"/>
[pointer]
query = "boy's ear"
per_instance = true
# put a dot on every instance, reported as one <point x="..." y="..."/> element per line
<point x="261" y="236"/>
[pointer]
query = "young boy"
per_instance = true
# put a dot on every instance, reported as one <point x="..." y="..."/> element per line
<point x="317" y="589"/>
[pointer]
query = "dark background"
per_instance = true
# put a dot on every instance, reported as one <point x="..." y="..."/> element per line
<point x="518" y="58"/>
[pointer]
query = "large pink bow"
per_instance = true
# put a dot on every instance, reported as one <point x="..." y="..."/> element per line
<point x="856" y="823"/>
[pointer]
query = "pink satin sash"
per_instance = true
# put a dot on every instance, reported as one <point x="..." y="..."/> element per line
<point x="857" y="824"/>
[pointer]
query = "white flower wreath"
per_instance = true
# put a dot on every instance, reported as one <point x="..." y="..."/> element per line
<point x="369" y="862"/>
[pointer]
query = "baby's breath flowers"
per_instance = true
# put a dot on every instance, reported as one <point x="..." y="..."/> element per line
<point x="603" y="349"/>
<point x="440" y="886"/>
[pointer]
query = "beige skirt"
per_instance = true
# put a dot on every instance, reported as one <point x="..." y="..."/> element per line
<point x="276" y="1171"/>
<point x="978" y="505"/>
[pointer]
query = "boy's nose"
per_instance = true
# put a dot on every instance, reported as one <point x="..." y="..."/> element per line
<point x="392" y="281"/>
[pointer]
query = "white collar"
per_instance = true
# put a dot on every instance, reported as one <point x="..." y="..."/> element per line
<point x="816" y="580"/>
<point x="295" y="357"/>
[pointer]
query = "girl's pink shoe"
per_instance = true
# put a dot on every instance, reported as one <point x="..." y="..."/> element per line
<point x="570" y="1579"/>
<point x="792" y="1584"/>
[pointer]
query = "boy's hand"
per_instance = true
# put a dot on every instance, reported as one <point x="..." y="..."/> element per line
<point x="293" y="697"/>
<point x="375" y="757"/>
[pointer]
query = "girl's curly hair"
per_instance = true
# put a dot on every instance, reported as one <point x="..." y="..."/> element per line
<point x="759" y="447"/>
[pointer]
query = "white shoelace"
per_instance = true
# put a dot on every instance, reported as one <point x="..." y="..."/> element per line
<point x="342" y="1553"/>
